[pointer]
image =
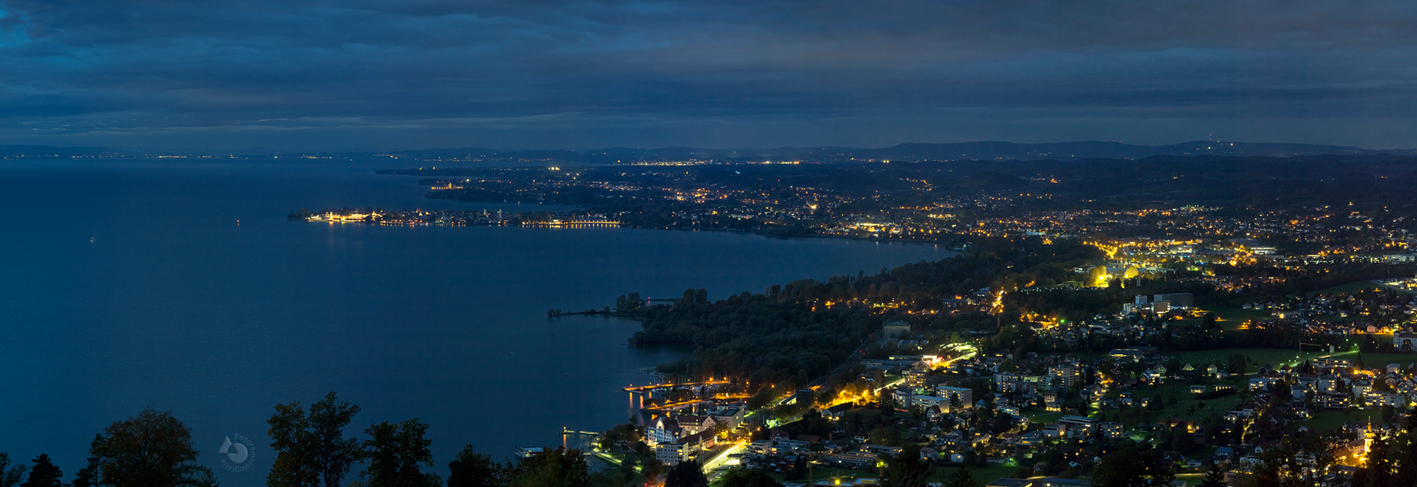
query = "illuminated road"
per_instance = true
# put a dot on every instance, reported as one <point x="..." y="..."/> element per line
<point x="969" y="353"/>
<point x="610" y="459"/>
<point x="969" y="350"/>
<point x="722" y="457"/>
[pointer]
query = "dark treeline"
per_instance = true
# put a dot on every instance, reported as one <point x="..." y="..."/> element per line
<point x="1081" y="303"/>
<point x="792" y="333"/>
<point x="155" y="449"/>
<point x="313" y="451"/>
<point x="152" y="449"/>
<point x="1313" y="278"/>
<point x="1019" y="339"/>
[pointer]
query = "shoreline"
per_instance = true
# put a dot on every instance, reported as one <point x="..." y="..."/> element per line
<point x="484" y="218"/>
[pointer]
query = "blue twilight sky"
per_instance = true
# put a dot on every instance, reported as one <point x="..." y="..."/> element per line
<point x="387" y="74"/>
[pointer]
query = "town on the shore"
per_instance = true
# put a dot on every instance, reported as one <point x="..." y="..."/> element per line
<point x="1060" y="418"/>
<point x="1168" y="321"/>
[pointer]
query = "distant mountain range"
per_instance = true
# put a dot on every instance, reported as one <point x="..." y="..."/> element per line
<point x="1061" y="151"/>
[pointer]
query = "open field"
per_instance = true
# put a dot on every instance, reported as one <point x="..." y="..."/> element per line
<point x="845" y="474"/>
<point x="1043" y="417"/>
<point x="1258" y="356"/>
<point x="1331" y="420"/>
<point x="1191" y="478"/>
<point x="1351" y="287"/>
<point x="1186" y="399"/>
<point x="1229" y="317"/>
<point x="982" y="475"/>
<point x="1375" y="360"/>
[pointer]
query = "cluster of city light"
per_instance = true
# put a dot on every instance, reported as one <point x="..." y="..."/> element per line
<point x="333" y="217"/>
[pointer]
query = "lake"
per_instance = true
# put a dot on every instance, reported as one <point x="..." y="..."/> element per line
<point x="131" y="283"/>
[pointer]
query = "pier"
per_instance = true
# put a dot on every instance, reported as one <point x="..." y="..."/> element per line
<point x="672" y="385"/>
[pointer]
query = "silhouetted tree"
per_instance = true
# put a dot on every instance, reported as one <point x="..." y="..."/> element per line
<point x="311" y="449"/>
<point x="555" y="468"/>
<point x="1214" y="477"/>
<point x="962" y="478"/>
<point x="10" y="475"/>
<point x="651" y="470"/>
<point x="89" y="475"/>
<point x="906" y="469"/>
<point x="152" y="449"/>
<point x="44" y="473"/>
<point x="1131" y="466"/>
<point x="686" y="474"/>
<point x="748" y="477"/>
<point x="395" y="452"/>
<point x="472" y="469"/>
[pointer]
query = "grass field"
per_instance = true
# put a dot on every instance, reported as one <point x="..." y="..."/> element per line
<point x="1375" y="360"/>
<point x="845" y="474"/>
<point x="1351" y="287"/>
<point x="1186" y="399"/>
<point x="1331" y="420"/>
<point x="1259" y="356"/>
<point x="981" y="475"/>
<point x="1043" y="417"/>
<point x="1229" y="318"/>
<point x="1191" y="478"/>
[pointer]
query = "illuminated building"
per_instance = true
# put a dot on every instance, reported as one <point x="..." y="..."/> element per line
<point x="557" y="223"/>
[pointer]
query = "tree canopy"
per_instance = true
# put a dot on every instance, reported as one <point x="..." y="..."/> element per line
<point x="395" y="452"/>
<point x="686" y="474"/>
<point x="311" y="449"/>
<point x="152" y="449"/>
<point x="472" y="469"/>
<point x="44" y="473"/>
<point x="748" y="477"/>
<point x="10" y="475"/>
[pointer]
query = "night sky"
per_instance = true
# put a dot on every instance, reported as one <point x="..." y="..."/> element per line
<point x="361" y="74"/>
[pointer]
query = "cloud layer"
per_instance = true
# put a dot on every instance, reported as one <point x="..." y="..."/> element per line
<point x="533" y="74"/>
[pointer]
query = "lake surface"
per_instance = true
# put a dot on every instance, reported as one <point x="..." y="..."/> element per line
<point x="131" y="283"/>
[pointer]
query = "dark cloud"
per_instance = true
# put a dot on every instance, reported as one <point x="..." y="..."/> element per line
<point x="337" y="74"/>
